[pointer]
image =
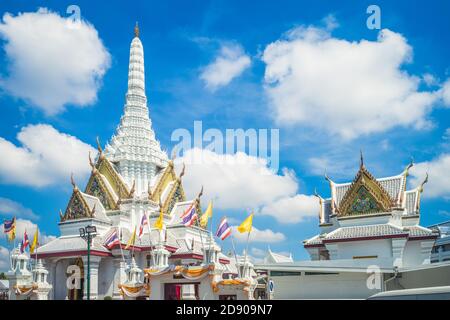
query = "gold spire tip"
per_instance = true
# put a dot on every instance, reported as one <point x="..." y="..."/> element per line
<point x="136" y="30"/>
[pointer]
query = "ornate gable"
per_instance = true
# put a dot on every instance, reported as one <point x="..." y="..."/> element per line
<point x="364" y="196"/>
<point x="176" y="195"/>
<point x="96" y="187"/>
<point x="167" y="177"/>
<point x="115" y="180"/>
<point x="77" y="207"/>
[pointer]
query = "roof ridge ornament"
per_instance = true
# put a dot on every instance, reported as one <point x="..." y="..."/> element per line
<point x="423" y="183"/>
<point x="361" y="163"/>
<point x="99" y="148"/>
<point x="409" y="166"/>
<point x="72" y="181"/>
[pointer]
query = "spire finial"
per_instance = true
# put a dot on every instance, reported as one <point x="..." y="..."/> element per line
<point x="136" y="30"/>
<point x="361" y="164"/>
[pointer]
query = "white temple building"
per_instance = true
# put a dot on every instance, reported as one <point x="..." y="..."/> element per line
<point x="370" y="241"/>
<point x="130" y="178"/>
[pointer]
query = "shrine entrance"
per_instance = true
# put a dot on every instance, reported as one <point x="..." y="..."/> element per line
<point x="173" y="291"/>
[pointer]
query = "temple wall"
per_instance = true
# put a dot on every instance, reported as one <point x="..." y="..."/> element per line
<point x="105" y="278"/>
<point x="323" y="286"/>
<point x="380" y="248"/>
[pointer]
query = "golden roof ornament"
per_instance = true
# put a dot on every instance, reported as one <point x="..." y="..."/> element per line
<point x="409" y="166"/>
<point x="99" y="148"/>
<point x="183" y="171"/>
<point x="149" y="191"/>
<point x="133" y="189"/>
<point x="72" y="181"/>
<point x="136" y="30"/>
<point x="91" y="163"/>
<point x="423" y="183"/>
<point x="361" y="163"/>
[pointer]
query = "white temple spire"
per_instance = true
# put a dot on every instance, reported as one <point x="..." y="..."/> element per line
<point x="134" y="148"/>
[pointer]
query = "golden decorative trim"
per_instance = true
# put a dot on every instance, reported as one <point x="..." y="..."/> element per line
<point x="365" y="179"/>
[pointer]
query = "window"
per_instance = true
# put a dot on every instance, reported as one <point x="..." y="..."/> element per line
<point x="284" y="273"/>
<point x="365" y="257"/>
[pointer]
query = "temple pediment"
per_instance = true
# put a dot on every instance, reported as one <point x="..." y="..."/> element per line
<point x="364" y="196"/>
<point x="97" y="187"/>
<point x="77" y="208"/>
<point x="118" y="185"/>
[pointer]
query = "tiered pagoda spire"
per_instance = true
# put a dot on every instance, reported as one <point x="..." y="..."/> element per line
<point x="134" y="149"/>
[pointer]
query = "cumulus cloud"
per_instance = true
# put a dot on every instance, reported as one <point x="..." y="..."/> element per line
<point x="446" y="92"/>
<point x="266" y="236"/>
<point x="438" y="183"/>
<point x="46" y="156"/>
<point x="344" y="88"/>
<point x="52" y="61"/>
<point x="293" y="209"/>
<point x="4" y="259"/>
<point x="9" y="207"/>
<point x="234" y="181"/>
<point x="229" y="64"/>
<point x="30" y="227"/>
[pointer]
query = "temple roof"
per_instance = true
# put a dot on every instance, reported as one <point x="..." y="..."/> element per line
<point x="367" y="194"/>
<point x="365" y="232"/>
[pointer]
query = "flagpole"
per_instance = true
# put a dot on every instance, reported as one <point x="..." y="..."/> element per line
<point x="150" y="240"/>
<point x="235" y="255"/>
<point x="246" y="250"/>
<point x="120" y="243"/>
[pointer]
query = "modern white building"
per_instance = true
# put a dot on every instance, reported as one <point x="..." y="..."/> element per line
<point x="370" y="240"/>
<point x="130" y="178"/>
<point x="441" y="249"/>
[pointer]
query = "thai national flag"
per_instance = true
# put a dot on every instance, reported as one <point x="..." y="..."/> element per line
<point x="112" y="240"/>
<point x="144" y="222"/>
<point x="189" y="216"/>
<point x="25" y="241"/>
<point x="224" y="230"/>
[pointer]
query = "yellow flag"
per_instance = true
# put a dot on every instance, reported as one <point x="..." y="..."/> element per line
<point x="34" y="244"/>
<point x="159" y="223"/>
<point x="12" y="234"/>
<point x="246" y="225"/>
<point x="206" y="215"/>
<point x="132" y="240"/>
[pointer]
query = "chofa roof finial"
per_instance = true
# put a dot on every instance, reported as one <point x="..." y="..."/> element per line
<point x="72" y="181"/>
<point x="423" y="183"/>
<point x="361" y="163"/>
<point x="409" y="166"/>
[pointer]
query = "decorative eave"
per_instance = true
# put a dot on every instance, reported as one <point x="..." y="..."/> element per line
<point x="167" y="177"/>
<point x="176" y="194"/>
<point x="77" y="207"/>
<point x="106" y="197"/>
<point x="105" y="167"/>
<point x="365" y="179"/>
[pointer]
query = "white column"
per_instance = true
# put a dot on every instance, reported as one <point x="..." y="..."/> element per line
<point x="398" y="246"/>
<point x="120" y="276"/>
<point x="94" y="264"/>
<point x="425" y="250"/>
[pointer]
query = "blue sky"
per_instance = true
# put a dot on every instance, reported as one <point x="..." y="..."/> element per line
<point x="182" y="38"/>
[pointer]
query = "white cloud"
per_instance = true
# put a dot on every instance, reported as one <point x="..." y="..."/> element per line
<point x="52" y="61"/>
<point x="229" y="64"/>
<point x="438" y="182"/>
<point x="446" y="92"/>
<point x="293" y="209"/>
<point x="30" y="227"/>
<point x="4" y="259"/>
<point x="46" y="157"/>
<point x="266" y="236"/>
<point x="234" y="181"/>
<point x="344" y="88"/>
<point x="11" y="208"/>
